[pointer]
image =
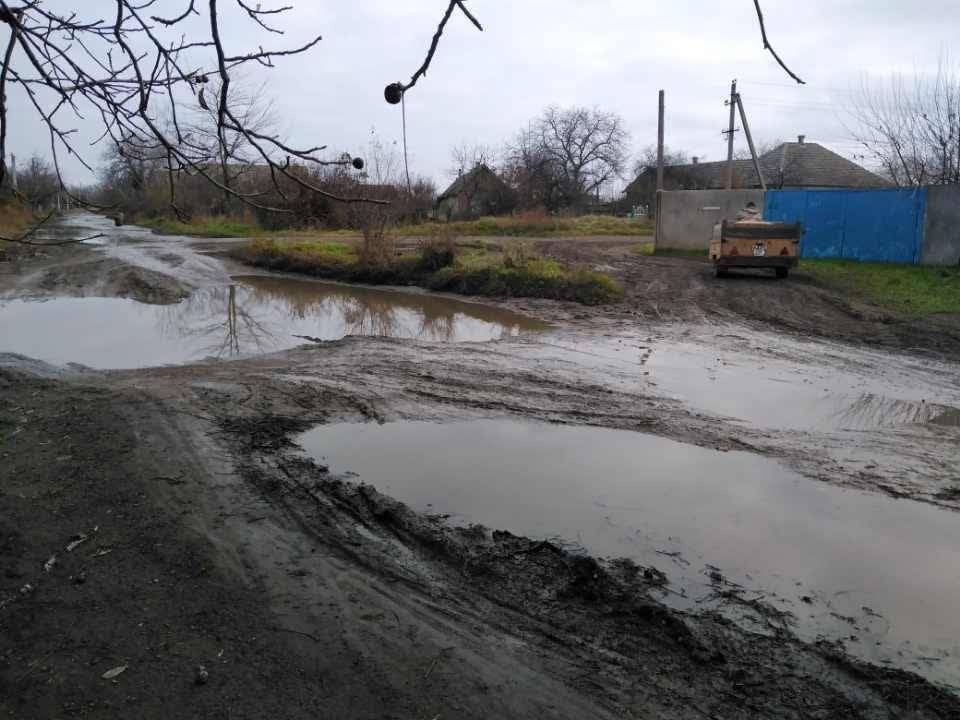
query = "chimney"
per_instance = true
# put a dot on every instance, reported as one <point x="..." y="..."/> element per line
<point x="801" y="139"/>
<point x="696" y="160"/>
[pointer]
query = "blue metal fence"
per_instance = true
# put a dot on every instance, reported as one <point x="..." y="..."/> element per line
<point x="875" y="224"/>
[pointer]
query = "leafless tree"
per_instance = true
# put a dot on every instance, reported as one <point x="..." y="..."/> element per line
<point x="467" y="156"/>
<point x="139" y="70"/>
<point x="38" y="183"/>
<point x="762" y="146"/>
<point x="648" y="159"/>
<point x="232" y="152"/>
<point x="910" y="126"/>
<point x="571" y="153"/>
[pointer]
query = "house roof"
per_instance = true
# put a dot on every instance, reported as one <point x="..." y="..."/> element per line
<point x="793" y="164"/>
<point x="481" y="174"/>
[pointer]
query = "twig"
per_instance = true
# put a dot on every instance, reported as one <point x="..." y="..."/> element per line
<point x="22" y="239"/>
<point x="422" y="70"/>
<point x="768" y="46"/>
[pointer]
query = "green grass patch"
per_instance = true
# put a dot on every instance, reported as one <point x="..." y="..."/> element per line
<point x="533" y="226"/>
<point x="203" y="227"/>
<point x="673" y="252"/>
<point x="914" y="290"/>
<point x="475" y="271"/>
<point x="643" y="248"/>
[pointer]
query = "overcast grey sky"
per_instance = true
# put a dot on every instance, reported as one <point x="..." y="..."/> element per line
<point x="612" y="54"/>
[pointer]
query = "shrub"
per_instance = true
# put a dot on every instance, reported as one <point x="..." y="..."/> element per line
<point x="516" y="253"/>
<point x="437" y="253"/>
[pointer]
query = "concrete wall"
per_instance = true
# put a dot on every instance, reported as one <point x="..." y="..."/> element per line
<point x="685" y="218"/>
<point x="941" y="229"/>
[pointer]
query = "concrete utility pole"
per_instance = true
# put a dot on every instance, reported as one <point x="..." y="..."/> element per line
<point x="753" y="150"/>
<point x="729" y="133"/>
<point x="660" y="131"/>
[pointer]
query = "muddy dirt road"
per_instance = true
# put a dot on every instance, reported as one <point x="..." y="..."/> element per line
<point x="785" y="514"/>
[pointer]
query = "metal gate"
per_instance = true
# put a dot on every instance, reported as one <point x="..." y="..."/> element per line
<point x="884" y="225"/>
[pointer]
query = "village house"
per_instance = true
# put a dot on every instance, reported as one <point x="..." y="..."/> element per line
<point x="790" y="165"/>
<point x="475" y="193"/>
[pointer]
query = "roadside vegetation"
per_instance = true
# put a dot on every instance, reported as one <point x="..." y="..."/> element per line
<point x="534" y="225"/>
<point x="203" y="226"/>
<point x="15" y="218"/>
<point x="913" y="290"/>
<point x="523" y="225"/>
<point x="440" y="265"/>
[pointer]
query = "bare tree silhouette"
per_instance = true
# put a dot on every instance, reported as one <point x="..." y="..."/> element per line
<point x="139" y="71"/>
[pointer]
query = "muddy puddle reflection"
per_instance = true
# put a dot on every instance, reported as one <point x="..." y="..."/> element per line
<point x="255" y="315"/>
<point x="878" y="575"/>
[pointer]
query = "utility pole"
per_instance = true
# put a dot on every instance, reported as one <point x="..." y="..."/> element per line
<point x="753" y="150"/>
<point x="730" y="132"/>
<point x="660" y="131"/>
<point x="657" y="196"/>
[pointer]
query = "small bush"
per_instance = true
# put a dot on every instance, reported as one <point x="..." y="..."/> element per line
<point x="516" y="254"/>
<point x="437" y="253"/>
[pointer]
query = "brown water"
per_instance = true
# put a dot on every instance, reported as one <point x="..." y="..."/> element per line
<point x="254" y="315"/>
<point x="880" y="575"/>
<point x="771" y="380"/>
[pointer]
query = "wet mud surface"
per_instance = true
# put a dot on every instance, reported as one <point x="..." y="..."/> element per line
<point x="301" y="588"/>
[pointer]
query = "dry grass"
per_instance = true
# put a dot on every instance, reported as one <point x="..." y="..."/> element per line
<point x="15" y="218"/>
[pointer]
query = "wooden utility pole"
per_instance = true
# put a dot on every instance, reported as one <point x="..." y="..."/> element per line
<point x="660" y="131"/>
<point x="730" y="131"/>
<point x="658" y="195"/>
<point x="753" y="150"/>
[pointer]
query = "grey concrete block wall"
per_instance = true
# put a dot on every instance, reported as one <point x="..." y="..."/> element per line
<point x="685" y="218"/>
<point x="941" y="226"/>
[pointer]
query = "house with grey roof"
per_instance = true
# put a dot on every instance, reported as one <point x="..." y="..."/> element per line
<point x="798" y="164"/>
<point x="475" y="193"/>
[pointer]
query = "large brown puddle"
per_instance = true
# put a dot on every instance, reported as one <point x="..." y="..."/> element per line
<point x="254" y="315"/>
<point x="879" y="575"/>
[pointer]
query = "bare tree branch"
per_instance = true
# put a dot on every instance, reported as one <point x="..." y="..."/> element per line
<point x="395" y="91"/>
<point x="23" y="238"/>
<point x="768" y="46"/>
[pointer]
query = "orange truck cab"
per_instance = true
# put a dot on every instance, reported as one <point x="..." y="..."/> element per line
<point x="755" y="244"/>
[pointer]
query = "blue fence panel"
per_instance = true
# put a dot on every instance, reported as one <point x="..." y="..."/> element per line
<point x="824" y="224"/>
<point x="881" y="225"/>
<point x="884" y="225"/>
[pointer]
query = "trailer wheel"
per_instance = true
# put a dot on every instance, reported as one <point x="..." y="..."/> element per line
<point x="782" y="272"/>
<point x="720" y="272"/>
